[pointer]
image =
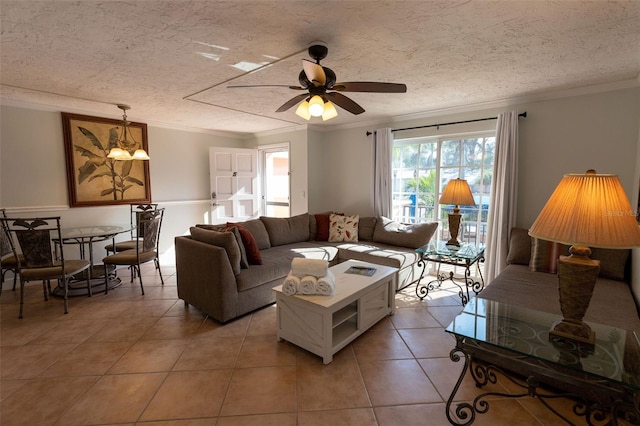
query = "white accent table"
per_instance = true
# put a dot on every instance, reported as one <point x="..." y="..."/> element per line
<point x="325" y="324"/>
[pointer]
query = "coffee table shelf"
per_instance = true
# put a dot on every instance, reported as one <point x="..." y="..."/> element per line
<point x="324" y="325"/>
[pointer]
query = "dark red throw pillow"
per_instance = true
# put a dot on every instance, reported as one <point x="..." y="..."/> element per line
<point x="251" y="247"/>
<point x="322" y="224"/>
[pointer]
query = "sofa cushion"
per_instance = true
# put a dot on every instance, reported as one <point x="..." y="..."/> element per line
<point x="277" y="263"/>
<point x="613" y="263"/>
<point x="366" y="226"/>
<point x="244" y="262"/>
<point x="226" y="240"/>
<point x="259" y="232"/>
<point x="403" y="235"/>
<point x="545" y="254"/>
<point x="378" y="253"/>
<point x="343" y="228"/>
<point x="287" y="230"/>
<point x="519" y="247"/>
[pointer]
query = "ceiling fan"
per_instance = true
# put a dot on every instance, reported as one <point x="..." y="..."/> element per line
<point x="323" y="91"/>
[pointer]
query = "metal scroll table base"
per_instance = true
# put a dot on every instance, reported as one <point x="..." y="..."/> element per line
<point x="468" y="283"/>
<point x="78" y="285"/>
<point x="619" y="402"/>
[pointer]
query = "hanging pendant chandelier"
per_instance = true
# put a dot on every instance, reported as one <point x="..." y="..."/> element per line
<point x="121" y="151"/>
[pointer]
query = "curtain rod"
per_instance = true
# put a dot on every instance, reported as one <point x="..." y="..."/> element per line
<point x="522" y="114"/>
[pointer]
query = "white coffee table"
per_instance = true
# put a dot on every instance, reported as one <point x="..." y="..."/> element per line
<point x="325" y="324"/>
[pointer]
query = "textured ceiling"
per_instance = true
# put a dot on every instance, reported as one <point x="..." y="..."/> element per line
<point x="172" y="60"/>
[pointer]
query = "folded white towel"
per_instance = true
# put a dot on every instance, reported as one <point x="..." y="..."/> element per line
<point x="308" y="285"/>
<point x="291" y="285"/>
<point x="326" y="286"/>
<point x="301" y="266"/>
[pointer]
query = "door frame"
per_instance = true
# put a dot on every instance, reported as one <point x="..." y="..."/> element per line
<point x="262" y="150"/>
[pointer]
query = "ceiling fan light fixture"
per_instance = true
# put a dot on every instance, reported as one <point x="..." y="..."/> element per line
<point x="303" y="110"/>
<point x="329" y="111"/>
<point x="316" y="106"/>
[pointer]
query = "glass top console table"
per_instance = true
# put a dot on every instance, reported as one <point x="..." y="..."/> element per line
<point x="603" y="380"/>
<point x="466" y="256"/>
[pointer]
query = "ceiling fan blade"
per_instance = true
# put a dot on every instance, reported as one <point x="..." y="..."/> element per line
<point x="314" y="73"/>
<point x="291" y="102"/>
<point x="345" y="103"/>
<point x="267" y="85"/>
<point x="370" y="86"/>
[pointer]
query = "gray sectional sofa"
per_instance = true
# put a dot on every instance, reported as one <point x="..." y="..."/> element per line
<point x="216" y="277"/>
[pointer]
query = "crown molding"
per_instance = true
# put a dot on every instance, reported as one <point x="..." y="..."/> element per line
<point x="93" y="108"/>
<point x="519" y="100"/>
<point x="99" y="111"/>
<point x="293" y="128"/>
<point x="494" y="104"/>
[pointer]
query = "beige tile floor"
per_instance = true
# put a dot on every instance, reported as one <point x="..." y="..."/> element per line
<point x="126" y="359"/>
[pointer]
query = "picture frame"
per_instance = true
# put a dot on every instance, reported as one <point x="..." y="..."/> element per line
<point x="638" y="207"/>
<point x="93" y="179"/>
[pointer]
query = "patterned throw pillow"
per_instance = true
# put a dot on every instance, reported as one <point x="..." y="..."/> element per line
<point x="343" y="228"/>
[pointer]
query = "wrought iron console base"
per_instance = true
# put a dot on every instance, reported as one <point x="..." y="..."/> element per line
<point x="467" y="282"/>
<point x="483" y="373"/>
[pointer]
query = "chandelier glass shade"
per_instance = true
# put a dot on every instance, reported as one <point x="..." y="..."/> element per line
<point x="120" y="152"/>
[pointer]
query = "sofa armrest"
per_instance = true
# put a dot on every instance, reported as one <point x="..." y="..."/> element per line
<point x="205" y="278"/>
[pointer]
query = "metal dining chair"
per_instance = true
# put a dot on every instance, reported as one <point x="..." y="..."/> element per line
<point x="8" y="261"/>
<point x="137" y="211"/>
<point x="38" y="262"/>
<point x="147" y="248"/>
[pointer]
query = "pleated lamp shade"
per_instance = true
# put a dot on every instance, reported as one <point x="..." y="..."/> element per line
<point x="457" y="192"/>
<point x="590" y="210"/>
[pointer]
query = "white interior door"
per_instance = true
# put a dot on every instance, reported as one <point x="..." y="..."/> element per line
<point x="234" y="184"/>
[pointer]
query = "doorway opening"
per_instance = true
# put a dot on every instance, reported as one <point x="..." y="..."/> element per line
<point x="274" y="178"/>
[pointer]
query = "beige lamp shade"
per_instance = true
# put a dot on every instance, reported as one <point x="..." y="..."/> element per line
<point x="457" y="192"/>
<point x="589" y="210"/>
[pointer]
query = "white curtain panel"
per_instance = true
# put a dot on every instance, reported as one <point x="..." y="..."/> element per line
<point x="383" y="141"/>
<point x="503" y="201"/>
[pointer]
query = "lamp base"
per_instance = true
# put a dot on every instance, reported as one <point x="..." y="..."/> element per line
<point x="577" y="275"/>
<point x="454" y="228"/>
<point x="573" y="330"/>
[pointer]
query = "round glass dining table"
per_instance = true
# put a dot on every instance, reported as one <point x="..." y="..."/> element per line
<point x="84" y="237"/>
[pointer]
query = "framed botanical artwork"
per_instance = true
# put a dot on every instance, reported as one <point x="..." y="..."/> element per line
<point x="93" y="179"/>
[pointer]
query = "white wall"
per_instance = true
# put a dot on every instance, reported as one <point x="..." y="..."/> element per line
<point x="567" y="135"/>
<point x="572" y="135"/>
<point x="33" y="177"/>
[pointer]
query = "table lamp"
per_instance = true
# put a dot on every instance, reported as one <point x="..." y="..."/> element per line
<point x="457" y="193"/>
<point x="585" y="210"/>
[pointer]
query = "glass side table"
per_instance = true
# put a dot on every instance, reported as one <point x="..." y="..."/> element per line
<point x="602" y="380"/>
<point x="466" y="256"/>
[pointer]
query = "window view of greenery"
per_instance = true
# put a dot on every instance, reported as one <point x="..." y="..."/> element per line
<point x="421" y="170"/>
